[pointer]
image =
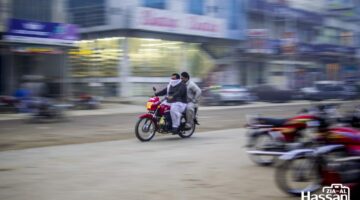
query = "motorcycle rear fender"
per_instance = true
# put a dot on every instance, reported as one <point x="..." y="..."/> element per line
<point x="296" y="154"/>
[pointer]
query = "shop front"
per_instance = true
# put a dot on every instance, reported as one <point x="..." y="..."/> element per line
<point x="156" y="44"/>
<point x="97" y="65"/>
<point x="36" y="52"/>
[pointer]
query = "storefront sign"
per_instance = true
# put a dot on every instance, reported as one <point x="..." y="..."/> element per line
<point x="41" y="32"/>
<point x="335" y="49"/>
<point x="288" y="43"/>
<point x="258" y="41"/>
<point x="167" y="21"/>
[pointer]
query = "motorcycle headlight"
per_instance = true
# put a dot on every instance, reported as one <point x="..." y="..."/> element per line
<point x="148" y="105"/>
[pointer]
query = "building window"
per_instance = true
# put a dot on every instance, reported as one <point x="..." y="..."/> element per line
<point x="96" y="58"/>
<point x="160" y="4"/>
<point x="87" y="13"/>
<point x="196" y="7"/>
<point x="25" y="9"/>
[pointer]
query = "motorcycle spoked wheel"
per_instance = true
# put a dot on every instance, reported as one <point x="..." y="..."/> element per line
<point x="186" y="133"/>
<point x="301" y="174"/>
<point x="260" y="142"/>
<point x="145" y="129"/>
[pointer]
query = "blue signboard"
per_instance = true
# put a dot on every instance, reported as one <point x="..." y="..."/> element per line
<point x="281" y="10"/>
<point x="41" y="32"/>
<point x="329" y="48"/>
<point x="304" y="48"/>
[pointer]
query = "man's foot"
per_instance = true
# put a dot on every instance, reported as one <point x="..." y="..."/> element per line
<point x="175" y="130"/>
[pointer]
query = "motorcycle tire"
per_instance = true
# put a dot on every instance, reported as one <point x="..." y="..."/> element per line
<point x="148" y="127"/>
<point x="298" y="175"/>
<point x="187" y="133"/>
<point x="255" y="144"/>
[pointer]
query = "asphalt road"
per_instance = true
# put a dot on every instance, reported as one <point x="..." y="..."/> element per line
<point x="208" y="166"/>
<point x="16" y="134"/>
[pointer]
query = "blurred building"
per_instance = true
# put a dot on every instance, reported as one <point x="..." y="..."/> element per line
<point x="294" y="43"/>
<point x="34" y="44"/>
<point x="128" y="46"/>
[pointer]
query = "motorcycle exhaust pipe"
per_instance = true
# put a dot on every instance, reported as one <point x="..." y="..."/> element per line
<point x="266" y="153"/>
<point x="346" y="159"/>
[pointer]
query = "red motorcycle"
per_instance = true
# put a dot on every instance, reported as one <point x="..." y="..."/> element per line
<point x="338" y="162"/>
<point x="158" y="119"/>
<point x="269" y="138"/>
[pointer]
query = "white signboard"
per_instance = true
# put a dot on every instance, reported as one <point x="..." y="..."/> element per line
<point x="168" y="21"/>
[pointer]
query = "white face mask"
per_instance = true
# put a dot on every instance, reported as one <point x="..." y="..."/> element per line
<point x="174" y="82"/>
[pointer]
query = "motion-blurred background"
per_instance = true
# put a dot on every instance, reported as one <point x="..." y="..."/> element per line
<point x="237" y="50"/>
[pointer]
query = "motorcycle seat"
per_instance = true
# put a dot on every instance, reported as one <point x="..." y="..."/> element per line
<point x="272" y="121"/>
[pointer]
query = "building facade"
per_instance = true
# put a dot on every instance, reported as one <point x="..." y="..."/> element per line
<point x="291" y="45"/>
<point x="128" y="46"/>
<point x="34" y="44"/>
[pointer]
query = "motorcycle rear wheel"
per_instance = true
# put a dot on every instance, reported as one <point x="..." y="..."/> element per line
<point x="187" y="133"/>
<point x="145" y="129"/>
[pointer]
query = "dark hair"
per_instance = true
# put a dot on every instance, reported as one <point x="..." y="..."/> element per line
<point x="176" y="75"/>
<point x="185" y="75"/>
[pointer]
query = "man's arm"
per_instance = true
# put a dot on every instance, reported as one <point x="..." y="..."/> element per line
<point x="161" y="93"/>
<point x="195" y="88"/>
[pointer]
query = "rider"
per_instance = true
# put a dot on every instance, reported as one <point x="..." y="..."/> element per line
<point x="176" y="95"/>
<point x="193" y="96"/>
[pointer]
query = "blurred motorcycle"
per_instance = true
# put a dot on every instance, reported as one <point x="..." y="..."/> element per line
<point x="45" y="110"/>
<point x="8" y="104"/>
<point x="269" y="138"/>
<point x="85" y="101"/>
<point x="307" y="170"/>
<point x="158" y="119"/>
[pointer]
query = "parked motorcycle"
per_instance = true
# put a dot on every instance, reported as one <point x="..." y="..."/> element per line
<point x="307" y="170"/>
<point x="45" y="110"/>
<point x="87" y="102"/>
<point x="269" y="138"/>
<point x="158" y="119"/>
<point x="8" y="104"/>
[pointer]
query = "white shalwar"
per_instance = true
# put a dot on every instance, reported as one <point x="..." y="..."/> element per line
<point x="176" y="110"/>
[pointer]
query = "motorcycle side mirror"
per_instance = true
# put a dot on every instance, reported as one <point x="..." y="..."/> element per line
<point x="154" y="89"/>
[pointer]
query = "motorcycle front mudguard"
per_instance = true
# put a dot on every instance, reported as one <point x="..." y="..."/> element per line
<point x="149" y="116"/>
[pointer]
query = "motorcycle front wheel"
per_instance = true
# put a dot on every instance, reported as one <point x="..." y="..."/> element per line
<point x="145" y="129"/>
<point x="262" y="142"/>
<point x="298" y="175"/>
